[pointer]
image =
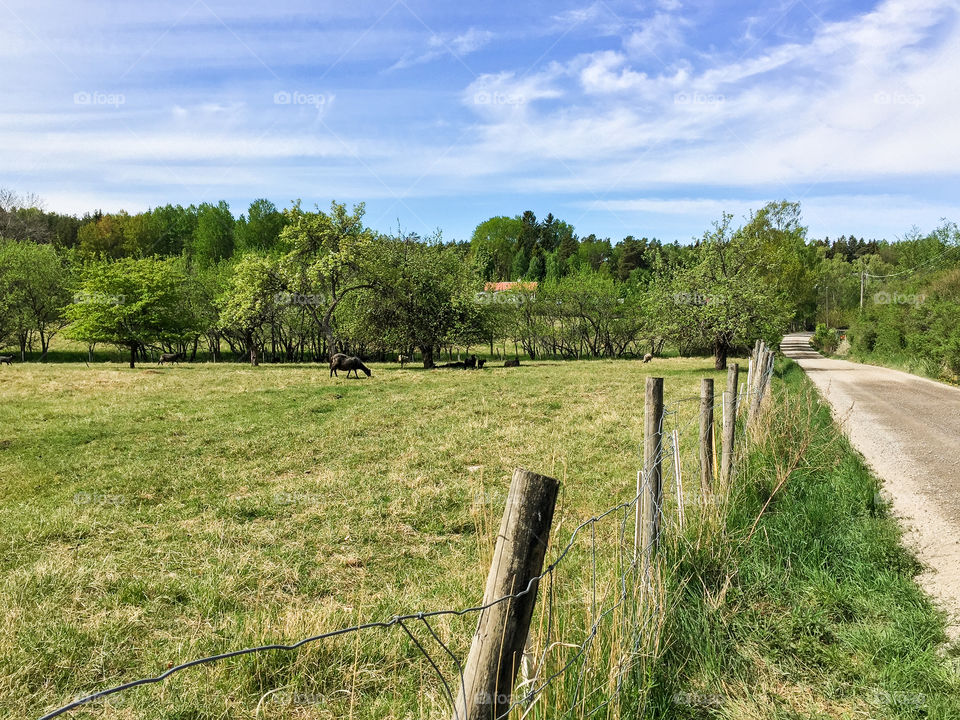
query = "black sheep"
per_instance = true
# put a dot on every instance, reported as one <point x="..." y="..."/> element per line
<point x="350" y="364"/>
<point x="171" y="358"/>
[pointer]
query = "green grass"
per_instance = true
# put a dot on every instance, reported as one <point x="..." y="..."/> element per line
<point x="907" y="362"/>
<point x="810" y="611"/>
<point x="157" y="515"/>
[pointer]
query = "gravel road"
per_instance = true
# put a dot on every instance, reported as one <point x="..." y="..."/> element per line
<point x="908" y="429"/>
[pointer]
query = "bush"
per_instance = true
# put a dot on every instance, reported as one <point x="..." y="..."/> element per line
<point x="826" y="339"/>
<point x="889" y="340"/>
<point x="863" y="335"/>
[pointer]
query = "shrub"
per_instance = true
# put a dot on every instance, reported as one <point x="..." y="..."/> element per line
<point x="826" y="339"/>
<point x="889" y="340"/>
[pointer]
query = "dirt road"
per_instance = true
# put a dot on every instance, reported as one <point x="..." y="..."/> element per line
<point x="908" y="429"/>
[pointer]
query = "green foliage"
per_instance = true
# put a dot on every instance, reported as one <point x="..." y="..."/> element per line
<point x="213" y="236"/>
<point x="259" y="230"/>
<point x="825" y="339"/>
<point x="132" y="303"/>
<point x="424" y="297"/>
<point x="35" y="287"/>
<point x="493" y="245"/>
<point x="722" y="297"/>
<point x="789" y="263"/>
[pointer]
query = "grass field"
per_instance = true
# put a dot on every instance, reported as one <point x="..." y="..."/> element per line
<point x="156" y="515"/>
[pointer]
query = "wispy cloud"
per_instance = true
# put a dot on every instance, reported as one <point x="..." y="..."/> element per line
<point x="667" y="106"/>
<point x="438" y="46"/>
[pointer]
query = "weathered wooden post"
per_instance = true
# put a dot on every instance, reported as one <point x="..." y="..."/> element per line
<point x="764" y="367"/>
<point x="497" y="649"/>
<point x="757" y="385"/>
<point x="728" y="432"/>
<point x="653" y="460"/>
<point x="767" y="373"/>
<point x="706" y="436"/>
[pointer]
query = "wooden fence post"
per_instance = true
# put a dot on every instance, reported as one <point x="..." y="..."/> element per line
<point x="764" y="366"/>
<point x="706" y="436"/>
<point x="728" y="431"/>
<point x="497" y="650"/>
<point x="652" y="459"/>
<point x="767" y="373"/>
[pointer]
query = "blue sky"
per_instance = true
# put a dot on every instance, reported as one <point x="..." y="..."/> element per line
<point x="647" y="118"/>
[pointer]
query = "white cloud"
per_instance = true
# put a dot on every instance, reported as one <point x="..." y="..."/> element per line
<point x="458" y="46"/>
<point x="663" y="30"/>
<point x="865" y="98"/>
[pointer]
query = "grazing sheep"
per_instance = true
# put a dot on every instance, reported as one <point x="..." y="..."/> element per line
<point x="480" y="363"/>
<point x="471" y="362"/>
<point x="350" y="364"/>
<point x="6" y="359"/>
<point x="512" y="363"/>
<point x="171" y="358"/>
<point x="648" y="357"/>
<point x="404" y="359"/>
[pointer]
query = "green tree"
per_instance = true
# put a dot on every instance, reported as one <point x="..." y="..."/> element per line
<point x="36" y="286"/>
<point x="722" y="297"/>
<point x="426" y="299"/>
<point x="791" y="264"/>
<point x="332" y="255"/>
<point x="213" y="235"/>
<point x="493" y="244"/>
<point x="259" y="230"/>
<point x="131" y="303"/>
<point x="249" y="300"/>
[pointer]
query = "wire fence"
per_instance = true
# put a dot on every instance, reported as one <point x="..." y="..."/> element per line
<point x="600" y="599"/>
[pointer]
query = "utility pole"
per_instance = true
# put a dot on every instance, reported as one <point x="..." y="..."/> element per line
<point x="863" y="281"/>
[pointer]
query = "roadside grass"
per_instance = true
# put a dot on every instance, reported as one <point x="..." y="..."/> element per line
<point x="907" y="362"/>
<point x="800" y="602"/>
<point x="158" y="515"/>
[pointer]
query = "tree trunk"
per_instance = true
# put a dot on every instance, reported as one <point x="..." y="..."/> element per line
<point x="427" y="352"/>
<point x="720" y="351"/>
<point x="133" y="355"/>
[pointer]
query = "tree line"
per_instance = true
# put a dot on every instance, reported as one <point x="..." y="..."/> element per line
<point x="896" y="301"/>
<point x="299" y="284"/>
